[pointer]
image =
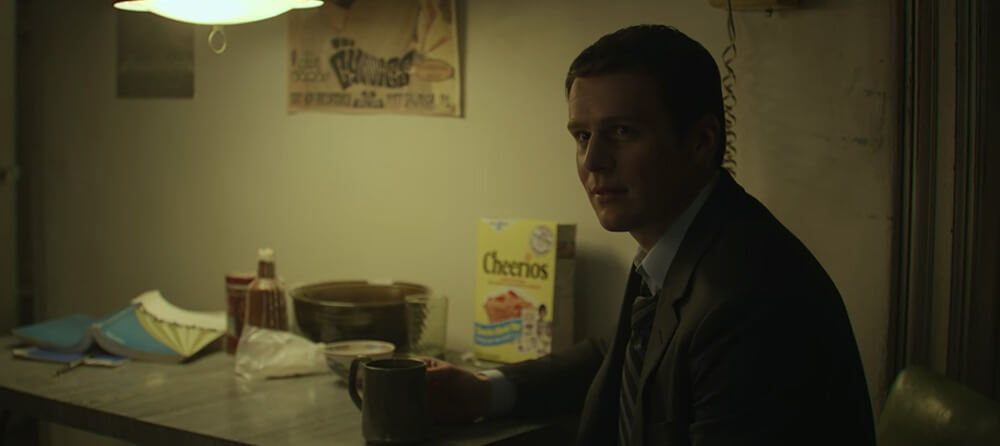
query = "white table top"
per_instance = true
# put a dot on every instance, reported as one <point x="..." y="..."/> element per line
<point x="202" y="402"/>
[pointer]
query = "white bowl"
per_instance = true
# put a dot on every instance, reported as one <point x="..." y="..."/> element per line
<point x="340" y="354"/>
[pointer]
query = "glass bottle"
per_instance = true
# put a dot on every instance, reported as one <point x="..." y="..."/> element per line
<point x="265" y="303"/>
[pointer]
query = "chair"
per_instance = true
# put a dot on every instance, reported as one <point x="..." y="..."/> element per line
<point x="926" y="408"/>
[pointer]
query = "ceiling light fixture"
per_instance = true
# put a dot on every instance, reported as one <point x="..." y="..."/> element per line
<point x="216" y="12"/>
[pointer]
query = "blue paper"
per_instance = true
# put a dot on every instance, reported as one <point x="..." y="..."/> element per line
<point x="66" y="334"/>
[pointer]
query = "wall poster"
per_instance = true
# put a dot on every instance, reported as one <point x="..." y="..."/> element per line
<point x="375" y="56"/>
<point x="155" y="57"/>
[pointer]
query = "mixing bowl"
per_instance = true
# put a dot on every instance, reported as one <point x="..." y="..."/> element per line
<point x="348" y="310"/>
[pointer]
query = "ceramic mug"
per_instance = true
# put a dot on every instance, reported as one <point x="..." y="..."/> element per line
<point x="394" y="407"/>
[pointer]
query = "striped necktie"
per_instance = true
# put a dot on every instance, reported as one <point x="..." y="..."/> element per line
<point x="643" y="308"/>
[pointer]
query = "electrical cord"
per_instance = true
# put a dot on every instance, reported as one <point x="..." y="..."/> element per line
<point x="729" y="94"/>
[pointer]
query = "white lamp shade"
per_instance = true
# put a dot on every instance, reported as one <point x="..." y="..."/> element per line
<point x="216" y="12"/>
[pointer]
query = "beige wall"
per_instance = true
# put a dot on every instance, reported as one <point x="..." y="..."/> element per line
<point x="817" y="125"/>
<point x="173" y="194"/>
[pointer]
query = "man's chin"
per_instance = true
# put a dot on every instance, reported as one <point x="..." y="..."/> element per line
<point x="613" y="225"/>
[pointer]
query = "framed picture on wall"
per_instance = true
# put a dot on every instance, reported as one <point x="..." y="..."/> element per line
<point x="155" y="57"/>
<point x="375" y="56"/>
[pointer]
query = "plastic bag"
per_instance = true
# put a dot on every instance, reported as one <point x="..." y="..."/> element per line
<point x="264" y="353"/>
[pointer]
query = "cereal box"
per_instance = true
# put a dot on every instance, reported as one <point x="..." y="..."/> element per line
<point x="524" y="288"/>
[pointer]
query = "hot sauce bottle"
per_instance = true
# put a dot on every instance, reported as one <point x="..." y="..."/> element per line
<point x="265" y="303"/>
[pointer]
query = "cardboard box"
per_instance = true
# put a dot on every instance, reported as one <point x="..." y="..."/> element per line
<point x="524" y="288"/>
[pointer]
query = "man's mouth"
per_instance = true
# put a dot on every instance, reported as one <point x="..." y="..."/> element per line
<point x="605" y="193"/>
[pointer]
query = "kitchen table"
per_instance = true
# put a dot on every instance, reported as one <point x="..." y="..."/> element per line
<point x="202" y="403"/>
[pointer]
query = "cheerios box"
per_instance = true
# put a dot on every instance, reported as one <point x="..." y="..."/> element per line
<point x="524" y="288"/>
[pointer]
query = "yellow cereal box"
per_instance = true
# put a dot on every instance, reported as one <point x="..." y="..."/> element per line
<point x="524" y="288"/>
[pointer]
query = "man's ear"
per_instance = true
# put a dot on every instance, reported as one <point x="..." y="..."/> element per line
<point x="705" y="143"/>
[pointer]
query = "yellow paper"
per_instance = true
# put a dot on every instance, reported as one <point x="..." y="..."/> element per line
<point x="375" y="56"/>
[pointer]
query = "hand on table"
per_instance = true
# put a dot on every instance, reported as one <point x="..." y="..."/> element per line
<point x="456" y="395"/>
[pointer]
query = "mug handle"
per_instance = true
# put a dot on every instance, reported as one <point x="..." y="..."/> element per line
<point x="352" y="379"/>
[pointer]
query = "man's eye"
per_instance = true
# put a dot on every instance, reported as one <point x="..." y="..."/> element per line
<point x="582" y="137"/>
<point x="622" y="131"/>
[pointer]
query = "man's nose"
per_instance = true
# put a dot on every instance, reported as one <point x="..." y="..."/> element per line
<point x="600" y="155"/>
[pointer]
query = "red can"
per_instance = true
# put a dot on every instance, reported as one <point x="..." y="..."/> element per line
<point x="236" y="294"/>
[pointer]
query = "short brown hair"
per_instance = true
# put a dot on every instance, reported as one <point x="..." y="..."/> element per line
<point x="686" y="73"/>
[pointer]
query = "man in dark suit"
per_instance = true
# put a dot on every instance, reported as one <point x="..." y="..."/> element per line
<point x="730" y="331"/>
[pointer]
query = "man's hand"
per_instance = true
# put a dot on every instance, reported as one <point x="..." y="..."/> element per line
<point x="456" y="395"/>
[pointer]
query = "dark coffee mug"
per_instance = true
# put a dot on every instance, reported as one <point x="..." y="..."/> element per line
<point x="395" y="408"/>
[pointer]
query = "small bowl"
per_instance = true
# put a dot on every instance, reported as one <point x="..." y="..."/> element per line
<point x="340" y="354"/>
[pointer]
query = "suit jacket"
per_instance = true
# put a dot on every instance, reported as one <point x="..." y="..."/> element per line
<point x="750" y="344"/>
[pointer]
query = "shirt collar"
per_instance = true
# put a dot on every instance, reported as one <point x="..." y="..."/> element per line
<point x="654" y="264"/>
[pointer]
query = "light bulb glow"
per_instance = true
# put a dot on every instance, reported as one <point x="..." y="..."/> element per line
<point x="308" y="4"/>
<point x="216" y="12"/>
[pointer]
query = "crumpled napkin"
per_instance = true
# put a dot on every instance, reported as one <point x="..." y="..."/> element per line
<point x="263" y="353"/>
